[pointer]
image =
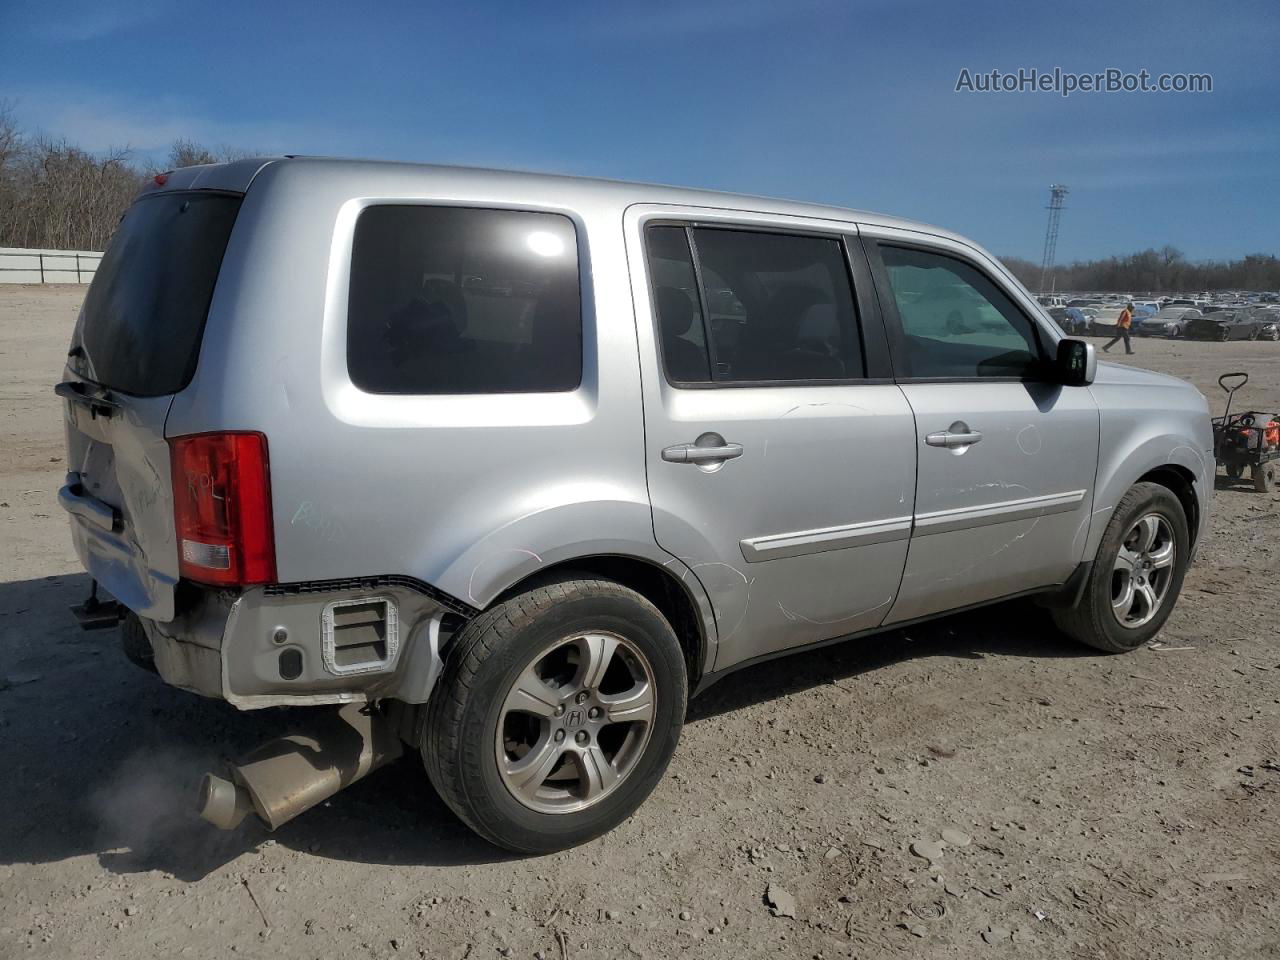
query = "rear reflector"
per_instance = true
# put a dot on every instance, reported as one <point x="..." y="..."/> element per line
<point x="222" y="508"/>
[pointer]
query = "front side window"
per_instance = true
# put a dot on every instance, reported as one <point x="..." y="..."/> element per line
<point x="454" y="300"/>
<point x="955" y="322"/>
<point x="758" y="307"/>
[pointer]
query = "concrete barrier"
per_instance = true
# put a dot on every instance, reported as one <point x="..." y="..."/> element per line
<point x="47" y="266"/>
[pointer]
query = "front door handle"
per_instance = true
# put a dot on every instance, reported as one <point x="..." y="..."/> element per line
<point x="710" y="448"/>
<point x="957" y="435"/>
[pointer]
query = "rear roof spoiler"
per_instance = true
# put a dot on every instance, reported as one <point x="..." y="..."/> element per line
<point x="233" y="177"/>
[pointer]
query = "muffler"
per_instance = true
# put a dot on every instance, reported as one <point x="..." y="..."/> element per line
<point x="290" y="775"/>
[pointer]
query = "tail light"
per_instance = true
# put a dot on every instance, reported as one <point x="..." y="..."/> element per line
<point x="222" y="508"/>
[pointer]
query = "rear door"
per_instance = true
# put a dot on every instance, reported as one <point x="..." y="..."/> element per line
<point x="135" y="345"/>
<point x="1007" y="458"/>
<point x="781" y="458"/>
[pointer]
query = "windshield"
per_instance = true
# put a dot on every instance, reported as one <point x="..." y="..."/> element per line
<point x="144" y="315"/>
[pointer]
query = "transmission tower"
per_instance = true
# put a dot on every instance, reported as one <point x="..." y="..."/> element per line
<point x="1057" y="193"/>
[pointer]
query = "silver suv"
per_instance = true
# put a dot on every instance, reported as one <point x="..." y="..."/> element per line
<point x="506" y="467"/>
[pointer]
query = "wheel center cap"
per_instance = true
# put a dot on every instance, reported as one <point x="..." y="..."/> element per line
<point x="574" y="718"/>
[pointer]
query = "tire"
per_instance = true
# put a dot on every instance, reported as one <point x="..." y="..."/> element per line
<point x="471" y="724"/>
<point x="136" y="646"/>
<point x="1264" y="476"/>
<point x="1093" y="620"/>
<point x="1235" y="470"/>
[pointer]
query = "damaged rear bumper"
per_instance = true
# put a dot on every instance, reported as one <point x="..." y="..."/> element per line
<point x="308" y="644"/>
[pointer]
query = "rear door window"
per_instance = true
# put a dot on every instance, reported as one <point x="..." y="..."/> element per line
<point x="144" y="314"/>
<point x="454" y="300"/>
<point x="753" y="306"/>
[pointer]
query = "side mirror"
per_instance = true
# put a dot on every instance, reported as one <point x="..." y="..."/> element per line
<point x="1076" y="363"/>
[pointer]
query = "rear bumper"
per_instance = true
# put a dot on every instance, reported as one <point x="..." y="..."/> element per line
<point x="266" y="647"/>
<point x="115" y="560"/>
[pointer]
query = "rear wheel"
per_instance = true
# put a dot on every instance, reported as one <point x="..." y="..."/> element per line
<point x="1264" y="476"/>
<point x="557" y="714"/>
<point x="1137" y="574"/>
<point x="136" y="645"/>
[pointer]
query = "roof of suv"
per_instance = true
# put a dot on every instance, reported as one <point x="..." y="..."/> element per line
<point x="238" y="174"/>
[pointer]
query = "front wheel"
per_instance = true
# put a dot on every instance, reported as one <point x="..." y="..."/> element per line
<point x="557" y="714"/>
<point x="1137" y="574"/>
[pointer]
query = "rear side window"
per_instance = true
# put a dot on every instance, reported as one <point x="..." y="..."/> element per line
<point x="454" y="300"/>
<point x="145" y="312"/>
<point x="757" y="307"/>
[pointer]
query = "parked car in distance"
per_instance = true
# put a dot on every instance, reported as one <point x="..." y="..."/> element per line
<point x="1169" y="322"/>
<point x="1051" y="300"/>
<point x="1102" y="320"/>
<point x="490" y="487"/>
<point x="1237" y="324"/>
<point x="1072" y="320"/>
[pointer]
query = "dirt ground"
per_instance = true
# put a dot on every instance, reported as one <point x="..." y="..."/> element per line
<point x="1114" y="806"/>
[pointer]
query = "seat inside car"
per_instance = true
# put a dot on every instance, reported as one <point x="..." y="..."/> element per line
<point x="686" y="361"/>
<point x="789" y="339"/>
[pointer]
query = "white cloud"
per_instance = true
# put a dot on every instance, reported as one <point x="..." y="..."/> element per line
<point x="70" y="22"/>
<point x="96" y="123"/>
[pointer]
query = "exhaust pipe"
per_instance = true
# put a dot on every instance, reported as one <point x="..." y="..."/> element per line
<point x="290" y="775"/>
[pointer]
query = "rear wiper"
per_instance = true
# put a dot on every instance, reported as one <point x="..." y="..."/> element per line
<point x="100" y="404"/>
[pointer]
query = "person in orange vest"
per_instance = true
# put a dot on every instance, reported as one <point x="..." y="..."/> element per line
<point x="1123" y="323"/>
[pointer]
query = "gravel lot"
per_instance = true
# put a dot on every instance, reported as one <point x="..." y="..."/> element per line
<point x="1095" y="806"/>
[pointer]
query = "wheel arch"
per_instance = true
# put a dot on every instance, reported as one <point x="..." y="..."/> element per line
<point x="670" y="587"/>
<point x="1183" y="466"/>
<point x="1182" y="483"/>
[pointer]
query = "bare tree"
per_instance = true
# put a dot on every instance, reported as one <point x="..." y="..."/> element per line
<point x="55" y="195"/>
<point x="190" y="153"/>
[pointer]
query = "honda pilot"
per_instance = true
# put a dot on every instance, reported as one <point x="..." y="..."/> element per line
<point x="503" y="468"/>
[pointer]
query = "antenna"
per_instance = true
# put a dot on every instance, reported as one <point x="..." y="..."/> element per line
<point x="1057" y="193"/>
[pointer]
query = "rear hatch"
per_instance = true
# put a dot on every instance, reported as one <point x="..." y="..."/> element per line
<point x="136" y="344"/>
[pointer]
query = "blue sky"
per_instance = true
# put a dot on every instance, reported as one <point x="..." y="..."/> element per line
<point x="850" y="103"/>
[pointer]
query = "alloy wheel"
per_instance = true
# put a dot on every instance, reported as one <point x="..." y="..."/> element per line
<point x="1143" y="571"/>
<point x="575" y="722"/>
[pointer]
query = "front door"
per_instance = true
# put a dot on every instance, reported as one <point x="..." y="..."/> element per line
<point x="1007" y="459"/>
<point x="781" y="468"/>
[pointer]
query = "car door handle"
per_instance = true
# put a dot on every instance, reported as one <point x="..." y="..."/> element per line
<point x="695" y="453"/>
<point x="959" y="435"/>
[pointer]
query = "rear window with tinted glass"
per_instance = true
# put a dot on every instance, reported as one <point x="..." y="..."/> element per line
<point x="454" y="300"/>
<point x="145" y="312"/>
